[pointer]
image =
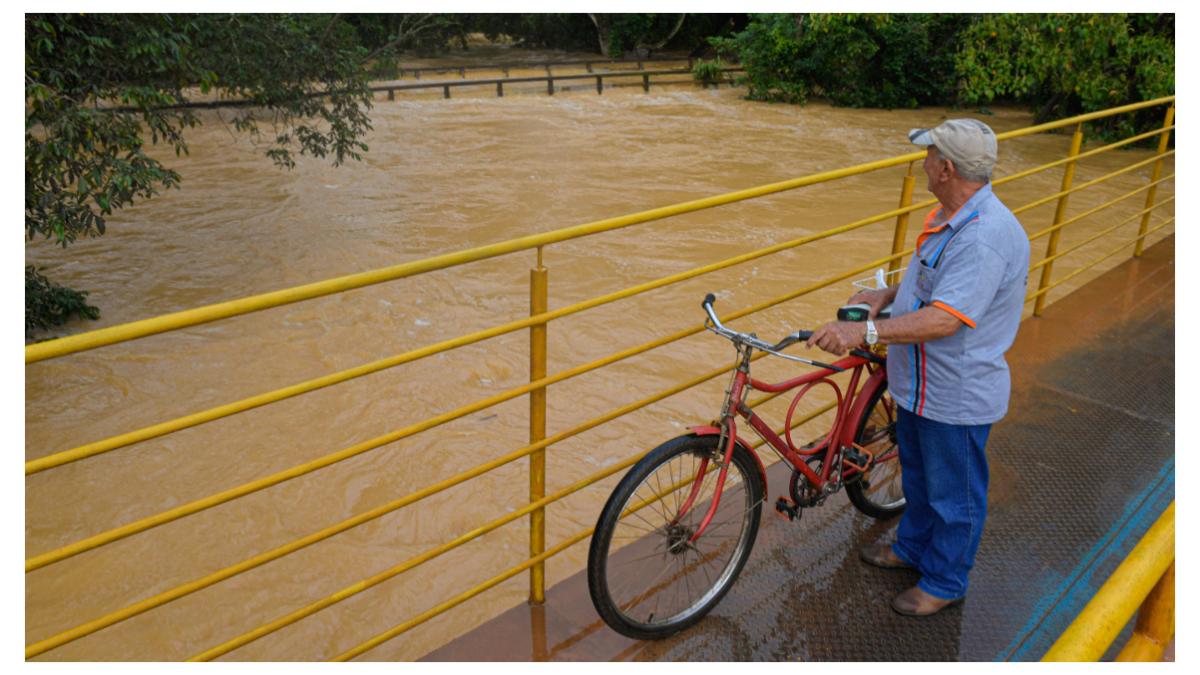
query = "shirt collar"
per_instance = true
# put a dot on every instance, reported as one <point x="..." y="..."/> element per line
<point x="968" y="210"/>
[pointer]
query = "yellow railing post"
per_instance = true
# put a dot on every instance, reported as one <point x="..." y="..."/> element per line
<point x="538" y="304"/>
<point x="1163" y="141"/>
<point x="1059" y="214"/>
<point x="901" y="234"/>
<point x="1155" y="622"/>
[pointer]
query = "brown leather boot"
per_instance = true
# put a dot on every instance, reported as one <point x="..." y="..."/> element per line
<point x="916" y="602"/>
<point x="882" y="555"/>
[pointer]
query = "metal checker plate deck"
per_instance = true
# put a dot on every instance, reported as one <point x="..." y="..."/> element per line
<point x="1080" y="467"/>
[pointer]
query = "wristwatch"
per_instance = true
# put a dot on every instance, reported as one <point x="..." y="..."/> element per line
<point x="872" y="334"/>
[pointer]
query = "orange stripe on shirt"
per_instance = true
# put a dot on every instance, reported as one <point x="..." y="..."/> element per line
<point x="929" y="218"/>
<point x="933" y="214"/>
<point x="953" y="312"/>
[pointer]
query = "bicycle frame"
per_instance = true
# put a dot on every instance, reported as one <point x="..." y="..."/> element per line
<point x="850" y="409"/>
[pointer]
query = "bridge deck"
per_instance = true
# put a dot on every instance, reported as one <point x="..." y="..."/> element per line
<point x="1080" y="468"/>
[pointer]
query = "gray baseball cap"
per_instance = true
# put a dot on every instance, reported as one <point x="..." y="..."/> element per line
<point x="967" y="142"/>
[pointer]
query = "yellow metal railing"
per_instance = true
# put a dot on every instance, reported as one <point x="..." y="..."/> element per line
<point x="1145" y="579"/>
<point x="539" y="378"/>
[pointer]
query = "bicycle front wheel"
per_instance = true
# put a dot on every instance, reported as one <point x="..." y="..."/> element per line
<point x="647" y="577"/>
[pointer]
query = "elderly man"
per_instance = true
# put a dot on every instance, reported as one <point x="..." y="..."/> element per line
<point x="954" y="315"/>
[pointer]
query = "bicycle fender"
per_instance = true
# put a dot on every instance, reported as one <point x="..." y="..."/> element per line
<point x="716" y="431"/>
<point x="856" y="411"/>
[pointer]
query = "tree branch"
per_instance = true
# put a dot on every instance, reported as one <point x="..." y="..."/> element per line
<point x="328" y="27"/>
<point x="662" y="43"/>
<point x="403" y="34"/>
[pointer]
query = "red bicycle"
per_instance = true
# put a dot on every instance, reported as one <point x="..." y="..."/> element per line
<point x="680" y="525"/>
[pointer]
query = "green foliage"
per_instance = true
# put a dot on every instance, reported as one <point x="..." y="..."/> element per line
<point x="707" y="72"/>
<point x="1060" y="64"/>
<point x="47" y="304"/>
<point x="99" y="86"/>
<point x="1070" y="63"/>
<point x="859" y="60"/>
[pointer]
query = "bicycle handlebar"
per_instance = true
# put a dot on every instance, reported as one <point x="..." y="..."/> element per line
<point x="753" y="341"/>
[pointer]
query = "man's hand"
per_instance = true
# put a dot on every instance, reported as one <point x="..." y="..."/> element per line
<point x="839" y="337"/>
<point x="877" y="299"/>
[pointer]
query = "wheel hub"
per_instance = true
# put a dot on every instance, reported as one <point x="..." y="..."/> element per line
<point x="677" y="538"/>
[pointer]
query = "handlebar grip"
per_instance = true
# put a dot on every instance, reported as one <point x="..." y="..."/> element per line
<point x="803" y="335"/>
<point x="709" y="299"/>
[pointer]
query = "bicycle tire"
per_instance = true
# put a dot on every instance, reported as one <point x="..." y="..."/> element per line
<point x="628" y="595"/>
<point x="879" y="492"/>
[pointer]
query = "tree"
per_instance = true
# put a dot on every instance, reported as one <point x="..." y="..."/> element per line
<point x="1059" y="64"/>
<point x="875" y="60"/>
<point x="1064" y="64"/>
<point x="97" y="87"/>
<point x="618" y="33"/>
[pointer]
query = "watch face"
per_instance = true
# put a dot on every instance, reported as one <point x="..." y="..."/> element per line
<point x="872" y="335"/>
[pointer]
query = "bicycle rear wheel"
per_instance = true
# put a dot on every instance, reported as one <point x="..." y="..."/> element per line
<point x="646" y="577"/>
<point x="879" y="492"/>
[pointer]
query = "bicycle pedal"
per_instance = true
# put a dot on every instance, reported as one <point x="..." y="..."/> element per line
<point x="786" y="508"/>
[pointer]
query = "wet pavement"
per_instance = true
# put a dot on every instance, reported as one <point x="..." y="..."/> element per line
<point x="1080" y="468"/>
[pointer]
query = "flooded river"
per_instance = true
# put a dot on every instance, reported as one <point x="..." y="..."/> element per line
<point x="441" y="175"/>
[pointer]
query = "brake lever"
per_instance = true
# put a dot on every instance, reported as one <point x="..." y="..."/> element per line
<point x="798" y="336"/>
<point x="868" y="356"/>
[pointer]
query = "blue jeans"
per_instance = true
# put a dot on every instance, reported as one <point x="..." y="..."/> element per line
<point x="945" y="479"/>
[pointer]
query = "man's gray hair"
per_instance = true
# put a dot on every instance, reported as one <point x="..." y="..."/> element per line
<point x="967" y="176"/>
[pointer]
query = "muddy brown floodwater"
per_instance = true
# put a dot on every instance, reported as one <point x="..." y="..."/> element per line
<point x="441" y="175"/>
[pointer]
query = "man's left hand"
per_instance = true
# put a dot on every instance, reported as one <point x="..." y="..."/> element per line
<point x="839" y="337"/>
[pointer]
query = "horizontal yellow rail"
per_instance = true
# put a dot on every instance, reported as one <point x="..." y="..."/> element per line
<point x="90" y="627"/>
<point x="1105" y="205"/>
<point x="1083" y="155"/>
<point x="164" y="428"/>
<point x="467" y="595"/>
<point x="123" y="440"/>
<point x="462" y="597"/>
<point x="133" y="330"/>
<point x="1100" y="234"/>
<point x="1102" y="619"/>
<point x="354" y="589"/>
<point x="411" y="563"/>
<point x="1095" y="181"/>
<point x="163" y="598"/>
<point x="196" y="506"/>
<point x="1097" y="261"/>
<point x="1087" y="117"/>
<point x="137" y="329"/>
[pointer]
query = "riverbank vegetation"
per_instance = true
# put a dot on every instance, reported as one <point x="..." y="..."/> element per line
<point x="1056" y="64"/>
<point x="98" y="87"/>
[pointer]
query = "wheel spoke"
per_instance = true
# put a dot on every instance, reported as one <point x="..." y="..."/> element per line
<point x="646" y="559"/>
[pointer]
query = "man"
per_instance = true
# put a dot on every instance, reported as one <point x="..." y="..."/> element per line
<point x="954" y="314"/>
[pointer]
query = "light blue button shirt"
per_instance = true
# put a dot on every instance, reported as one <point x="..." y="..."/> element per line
<point x="976" y="268"/>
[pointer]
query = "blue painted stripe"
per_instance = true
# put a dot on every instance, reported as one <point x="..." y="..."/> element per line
<point x="1076" y="589"/>
<point x="937" y="255"/>
<point x="912" y="401"/>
